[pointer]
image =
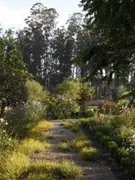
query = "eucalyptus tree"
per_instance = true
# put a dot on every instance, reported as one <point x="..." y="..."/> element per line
<point x="35" y="41"/>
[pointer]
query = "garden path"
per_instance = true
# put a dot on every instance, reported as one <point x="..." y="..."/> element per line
<point x="98" y="170"/>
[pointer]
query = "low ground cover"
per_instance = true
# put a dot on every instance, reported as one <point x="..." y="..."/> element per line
<point x="116" y="135"/>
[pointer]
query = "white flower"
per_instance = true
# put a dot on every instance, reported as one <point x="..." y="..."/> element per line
<point x="9" y="139"/>
<point x="1" y="119"/>
<point x="6" y="123"/>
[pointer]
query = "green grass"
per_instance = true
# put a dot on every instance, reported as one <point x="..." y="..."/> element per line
<point x="44" y="126"/>
<point x="84" y="147"/>
<point x="78" y="145"/>
<point x="41" y="176"/>
<point x="73" y="126"/>
<point x="81" y="136"/>
<point x="80" y="141"/>
<point x="63" y="169"/>
<point x="89" y="154"/>
<point x="31" y="146"/>
<point x="37" y="131"/>
<point x="64" y="146"/>
<point x="13" y="165"/>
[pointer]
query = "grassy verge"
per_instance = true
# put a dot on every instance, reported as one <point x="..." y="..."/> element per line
<point x="37" y="132"/>
<point x="51" y="170"/>
<point x="31" y="146"/>
<point x="16" y="162"/>
<point x="13" y="165"/>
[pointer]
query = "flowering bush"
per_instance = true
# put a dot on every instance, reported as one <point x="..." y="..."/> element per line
<point x="108" y="107"/>
<point x="6" y="142"/>
<point x="24" y="117"/>
<point x="62" y="108"/>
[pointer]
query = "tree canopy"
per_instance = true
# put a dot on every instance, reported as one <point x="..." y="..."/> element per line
<point x="13" y="72"/>
<point x="111" y="24"/>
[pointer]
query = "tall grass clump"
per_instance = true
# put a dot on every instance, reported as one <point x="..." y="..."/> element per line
<point x="89" y="153"/>
<point x="80" y="141"/>
<point x="73" y="126"/>
<point x="41" y="176"/>
<point x="13" y="165"/>
<point x="64" y="169"/>
<point x="64" y="145"/>
<point x="37" y="132"/>
<point x="84" y="147"/>
<point x="31" y="146"/>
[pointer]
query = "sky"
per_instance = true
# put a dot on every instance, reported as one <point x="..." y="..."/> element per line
<point x="13" y="12"/>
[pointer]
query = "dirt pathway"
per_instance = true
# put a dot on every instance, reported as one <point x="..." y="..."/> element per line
<point x="98" y="170"/>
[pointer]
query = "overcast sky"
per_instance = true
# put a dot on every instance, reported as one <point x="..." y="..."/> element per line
<point x="13" y="12"/>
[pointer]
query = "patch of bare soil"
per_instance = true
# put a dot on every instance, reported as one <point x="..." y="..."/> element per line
<point x="98" y="170"/>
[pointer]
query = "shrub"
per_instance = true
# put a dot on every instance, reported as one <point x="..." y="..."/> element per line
<point x="89" y="153"/>
<point x="6" y="142"/>
<point x="31" y="146"/>
<point x="61" y="108"/>
<point x="80" y="136"/>
<point x="105" y="139"/>
<point x="24" y="117"/>
<point x="99" y="135"/>
<point x="85" y="122"/>
<point x="118" y="122"/>
<point x="89" y="112"/>
<point x="108" y="107"/>
<point x="126" y="134"/>
<point x="112" y="146"/>
<point x="126" y="162"/>
<point x="37" y="93"/>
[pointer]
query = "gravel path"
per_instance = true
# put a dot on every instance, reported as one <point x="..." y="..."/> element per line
<point x="98" y="170"/>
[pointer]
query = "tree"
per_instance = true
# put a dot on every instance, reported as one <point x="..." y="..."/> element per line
<point x="35" y="41"/>
<point x="13" y="73"/>
<point x="58" y="48"/>
<point x="112" y="30"/>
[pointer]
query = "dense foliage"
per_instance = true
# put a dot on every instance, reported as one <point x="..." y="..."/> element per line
<point x="116" y="134"/>
<point x="13" y="73"/>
